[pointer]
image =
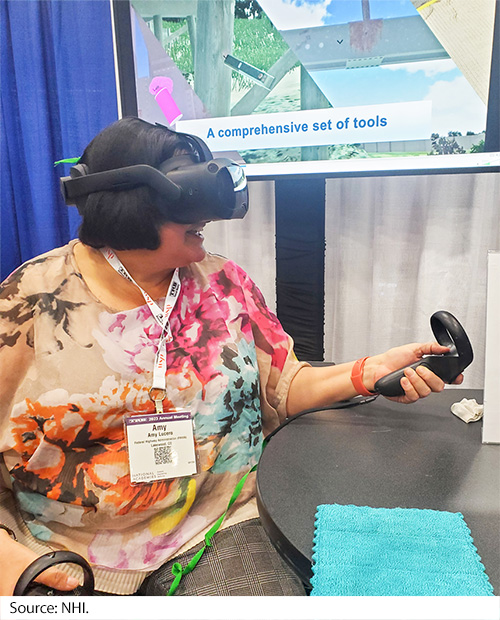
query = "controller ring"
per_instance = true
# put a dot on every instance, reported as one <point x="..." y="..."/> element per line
<point x="51" y="559"/>
<point x="450" y="333"/>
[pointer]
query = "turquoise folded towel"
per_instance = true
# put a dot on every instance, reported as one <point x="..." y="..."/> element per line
<point x="363" y="551"/>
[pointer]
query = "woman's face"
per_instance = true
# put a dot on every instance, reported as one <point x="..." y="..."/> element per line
<point x="180" y="244"/>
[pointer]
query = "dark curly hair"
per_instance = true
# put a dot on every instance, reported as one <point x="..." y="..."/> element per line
<point x="128" y="219"/>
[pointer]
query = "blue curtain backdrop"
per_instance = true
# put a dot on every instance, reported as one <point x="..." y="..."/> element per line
<point x="57" y="92"/>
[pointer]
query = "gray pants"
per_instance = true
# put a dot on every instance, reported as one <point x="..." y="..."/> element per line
<point x="241" y="562"/>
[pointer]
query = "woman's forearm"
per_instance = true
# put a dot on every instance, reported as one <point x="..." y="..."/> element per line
<point x="314" y="387"/>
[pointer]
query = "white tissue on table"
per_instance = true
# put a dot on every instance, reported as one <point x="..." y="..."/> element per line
<point x="467" y="410"/>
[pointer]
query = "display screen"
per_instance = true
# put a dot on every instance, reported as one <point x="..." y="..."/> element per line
<point x="320" y="80"/>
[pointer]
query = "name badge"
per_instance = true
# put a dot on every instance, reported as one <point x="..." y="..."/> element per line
<point x="160" y="446"/>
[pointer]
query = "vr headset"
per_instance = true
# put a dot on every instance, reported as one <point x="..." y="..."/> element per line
<point x="209" y="189"/>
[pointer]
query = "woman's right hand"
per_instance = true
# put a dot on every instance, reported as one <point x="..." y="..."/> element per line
<point x="15" y="558"/>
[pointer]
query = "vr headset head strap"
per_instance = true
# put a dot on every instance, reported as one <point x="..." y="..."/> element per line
<point x="204" y="153"/>
<point x="81" y="183"/>
<point x="202" y="150"/>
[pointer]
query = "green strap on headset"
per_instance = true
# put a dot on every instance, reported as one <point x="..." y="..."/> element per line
<point x="177" y="571"/>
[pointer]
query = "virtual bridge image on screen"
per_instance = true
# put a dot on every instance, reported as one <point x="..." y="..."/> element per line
<point x="288" y="81"/>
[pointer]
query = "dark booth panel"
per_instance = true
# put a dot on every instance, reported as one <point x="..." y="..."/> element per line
<point x="300" y="263"/>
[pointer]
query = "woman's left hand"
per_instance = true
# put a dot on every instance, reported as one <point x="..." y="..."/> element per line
<point x="417" y="383"/>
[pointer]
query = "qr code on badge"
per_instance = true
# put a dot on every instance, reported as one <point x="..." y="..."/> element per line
<point x="163" y="455"/>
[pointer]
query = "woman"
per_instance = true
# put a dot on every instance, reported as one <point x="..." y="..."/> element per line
<point x="81" y="345"/>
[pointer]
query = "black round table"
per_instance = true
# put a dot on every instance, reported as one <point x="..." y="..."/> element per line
<point x="381" y="454"/>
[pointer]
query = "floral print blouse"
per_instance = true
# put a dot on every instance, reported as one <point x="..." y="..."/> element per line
<point x="71" y="368"/>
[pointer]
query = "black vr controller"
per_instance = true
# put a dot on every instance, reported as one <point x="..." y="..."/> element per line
<point x="44" y="562"/>
<point x="448" y="332"/>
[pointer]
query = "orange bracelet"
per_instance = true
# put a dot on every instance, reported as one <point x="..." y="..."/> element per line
<point x="357" y="377"/>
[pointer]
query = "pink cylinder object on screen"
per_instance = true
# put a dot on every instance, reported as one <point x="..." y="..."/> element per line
<point x="161" y="88"/>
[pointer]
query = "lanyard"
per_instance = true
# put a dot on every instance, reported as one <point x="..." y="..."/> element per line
<point x="177" y="571"/>
<point x="158" y="389"/>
